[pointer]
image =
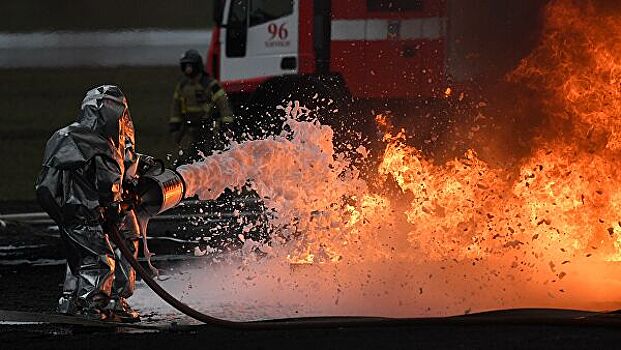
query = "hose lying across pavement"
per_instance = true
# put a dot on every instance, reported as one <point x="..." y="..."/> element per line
<point x="197" y="315"/>
<point x="590" y="319"/>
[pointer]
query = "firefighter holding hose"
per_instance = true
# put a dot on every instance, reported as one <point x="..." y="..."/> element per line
<point x="201" y="116"/>
<point x="81" y="186"/>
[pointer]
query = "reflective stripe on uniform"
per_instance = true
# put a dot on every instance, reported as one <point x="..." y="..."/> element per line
<point x="226" y="119"/>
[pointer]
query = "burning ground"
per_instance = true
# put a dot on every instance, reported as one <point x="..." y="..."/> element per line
<point x="494" y="228"/>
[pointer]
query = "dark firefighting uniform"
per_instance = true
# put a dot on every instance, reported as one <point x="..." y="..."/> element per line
<point x="200" y="113"/>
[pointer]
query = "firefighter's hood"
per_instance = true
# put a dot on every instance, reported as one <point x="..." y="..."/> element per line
<point x="104" y="110"/>
<point x="103" y="127"/>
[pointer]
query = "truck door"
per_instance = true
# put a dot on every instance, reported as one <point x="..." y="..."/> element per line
<point x="260" y="39"/>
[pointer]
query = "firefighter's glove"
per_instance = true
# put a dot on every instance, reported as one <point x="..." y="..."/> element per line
<point x="148" y="164"/>
<point x="146" y="159"/>
<point x="131" y="200"/>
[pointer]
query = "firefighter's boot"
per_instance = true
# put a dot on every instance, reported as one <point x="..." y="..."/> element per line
<point x="123" y="312"/>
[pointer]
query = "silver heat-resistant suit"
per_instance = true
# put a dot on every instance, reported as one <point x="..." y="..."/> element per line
<point x="80" y="186"/>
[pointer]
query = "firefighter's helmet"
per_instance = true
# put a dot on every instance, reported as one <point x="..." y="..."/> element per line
<point x="193" y="58"/>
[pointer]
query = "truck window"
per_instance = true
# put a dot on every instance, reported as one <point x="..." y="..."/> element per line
<point x="394" y="5"/>
<point x="262" y="11"/>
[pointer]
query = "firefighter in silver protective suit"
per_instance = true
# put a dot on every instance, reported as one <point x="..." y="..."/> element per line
<point x="81" y="185"/>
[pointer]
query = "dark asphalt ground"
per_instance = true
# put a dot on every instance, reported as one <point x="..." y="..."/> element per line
<point x="416" y="334"/>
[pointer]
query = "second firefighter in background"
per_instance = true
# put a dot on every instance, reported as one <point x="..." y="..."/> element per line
<point x="201" y="117"/>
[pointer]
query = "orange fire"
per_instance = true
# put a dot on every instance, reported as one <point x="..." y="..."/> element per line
<point x="557" y="213"/>
<point x="542" y="229"/>
<point x="577" y="71"/>
<point x="566" y="196"/>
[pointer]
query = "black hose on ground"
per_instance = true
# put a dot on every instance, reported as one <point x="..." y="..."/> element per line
<point x="584" y="319"/>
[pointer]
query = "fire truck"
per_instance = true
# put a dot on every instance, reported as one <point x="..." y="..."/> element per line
<point x="371" y="50"/>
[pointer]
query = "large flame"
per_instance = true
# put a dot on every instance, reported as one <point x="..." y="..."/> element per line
<point x="571" y="179"/>
<point x="562" y="204"/>
<point x="577" y="69"/>
<point x="545" y="231"/>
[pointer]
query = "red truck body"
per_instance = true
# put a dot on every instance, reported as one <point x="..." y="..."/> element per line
<point x="381" y="49"/>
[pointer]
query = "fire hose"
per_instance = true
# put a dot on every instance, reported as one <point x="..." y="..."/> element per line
<point x="159" y="192"/>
